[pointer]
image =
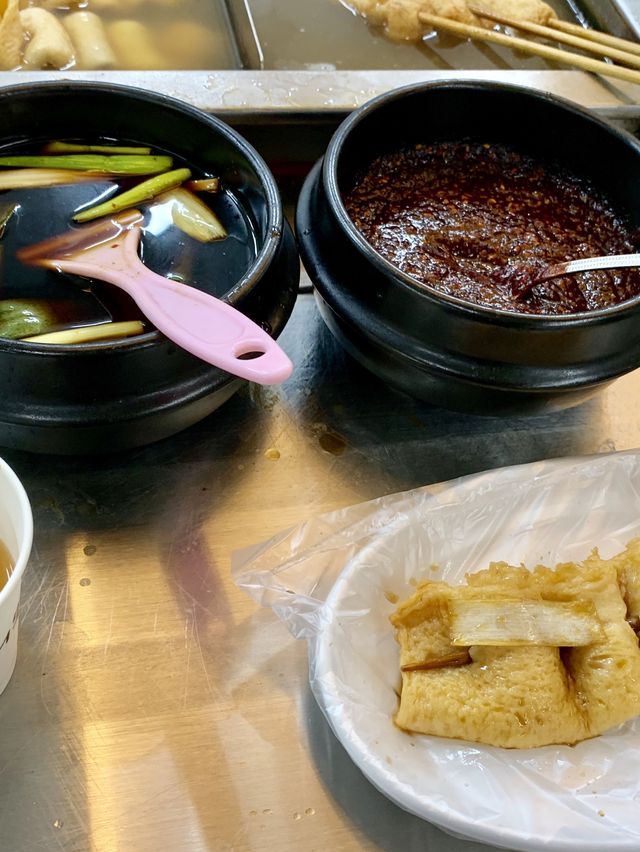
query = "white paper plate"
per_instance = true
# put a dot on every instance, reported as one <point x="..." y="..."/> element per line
<point x="583" y="798"/>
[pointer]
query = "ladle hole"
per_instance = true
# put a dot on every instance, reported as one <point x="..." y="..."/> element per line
<point x="249" y="356"/>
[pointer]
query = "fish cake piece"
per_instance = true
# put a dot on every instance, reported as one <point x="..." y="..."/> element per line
<point x="399" y="18"/>
<point x="535" y="11"/>
<point x="48" y="43"/>
<point x="11" y="37"/>
<point x="402" y="16"/>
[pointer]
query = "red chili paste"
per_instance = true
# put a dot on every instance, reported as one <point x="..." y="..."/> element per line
<point x="476" y="220"/>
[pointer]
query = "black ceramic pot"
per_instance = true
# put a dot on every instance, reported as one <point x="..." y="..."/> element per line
<point x="119" y="394"/>
<point x="440" y="348"/>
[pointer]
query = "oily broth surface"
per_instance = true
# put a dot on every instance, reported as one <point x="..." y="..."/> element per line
<point x="46" y="212"/>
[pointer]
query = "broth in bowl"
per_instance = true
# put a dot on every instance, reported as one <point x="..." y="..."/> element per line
<point x="196" y="232"/>
<point x="6" y="564"/>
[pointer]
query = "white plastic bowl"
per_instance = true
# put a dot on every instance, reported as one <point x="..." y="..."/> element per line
<point x="16" y="532"/>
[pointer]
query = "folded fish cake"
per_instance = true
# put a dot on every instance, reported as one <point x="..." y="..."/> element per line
<point x="524" y="694"/>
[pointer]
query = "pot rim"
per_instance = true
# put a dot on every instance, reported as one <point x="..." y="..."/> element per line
<point x="274" y="226"/>
<point x="329" y="178"/>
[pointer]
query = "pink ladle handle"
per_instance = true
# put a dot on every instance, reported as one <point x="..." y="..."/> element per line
<point x="205" y="326"/>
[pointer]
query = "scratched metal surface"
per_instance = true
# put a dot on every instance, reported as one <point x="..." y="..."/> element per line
<point x="154" y="706"/>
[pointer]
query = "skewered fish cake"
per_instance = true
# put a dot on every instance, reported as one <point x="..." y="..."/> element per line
<point x="534" y="11"/>
<point x="400" y="21"/>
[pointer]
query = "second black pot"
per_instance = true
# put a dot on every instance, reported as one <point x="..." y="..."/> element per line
<point x="440" y="348"/>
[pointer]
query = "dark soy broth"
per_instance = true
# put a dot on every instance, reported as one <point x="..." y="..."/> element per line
<point x="6" y="564"/>
<point x="214" y="267"/>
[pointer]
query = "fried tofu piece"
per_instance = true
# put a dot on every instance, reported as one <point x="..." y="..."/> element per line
<point x="523" y="696"/>
<point x="627" y="564"/>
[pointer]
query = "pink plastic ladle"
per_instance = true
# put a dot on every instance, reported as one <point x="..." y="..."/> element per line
<point x="199" y="323"/>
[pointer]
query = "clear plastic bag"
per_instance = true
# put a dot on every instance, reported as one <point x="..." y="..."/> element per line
<point x="334" y="580"/>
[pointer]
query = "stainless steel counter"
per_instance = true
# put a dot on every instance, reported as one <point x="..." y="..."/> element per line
<point x="156" y="707"/>
<point x="260" y="96"/>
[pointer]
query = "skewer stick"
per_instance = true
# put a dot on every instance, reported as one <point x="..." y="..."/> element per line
<point x="553" y="53"/>
<point x="557" y="35"/>
<point x="595" y="35"/>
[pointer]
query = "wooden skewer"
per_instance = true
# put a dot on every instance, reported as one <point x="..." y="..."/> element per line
<point x="595" y="35"/>
<point x="559" y="36"/>
<point x="553" y="53"/>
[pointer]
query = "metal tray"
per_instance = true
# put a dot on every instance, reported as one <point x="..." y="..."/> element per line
<point x="325" y="35"/>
